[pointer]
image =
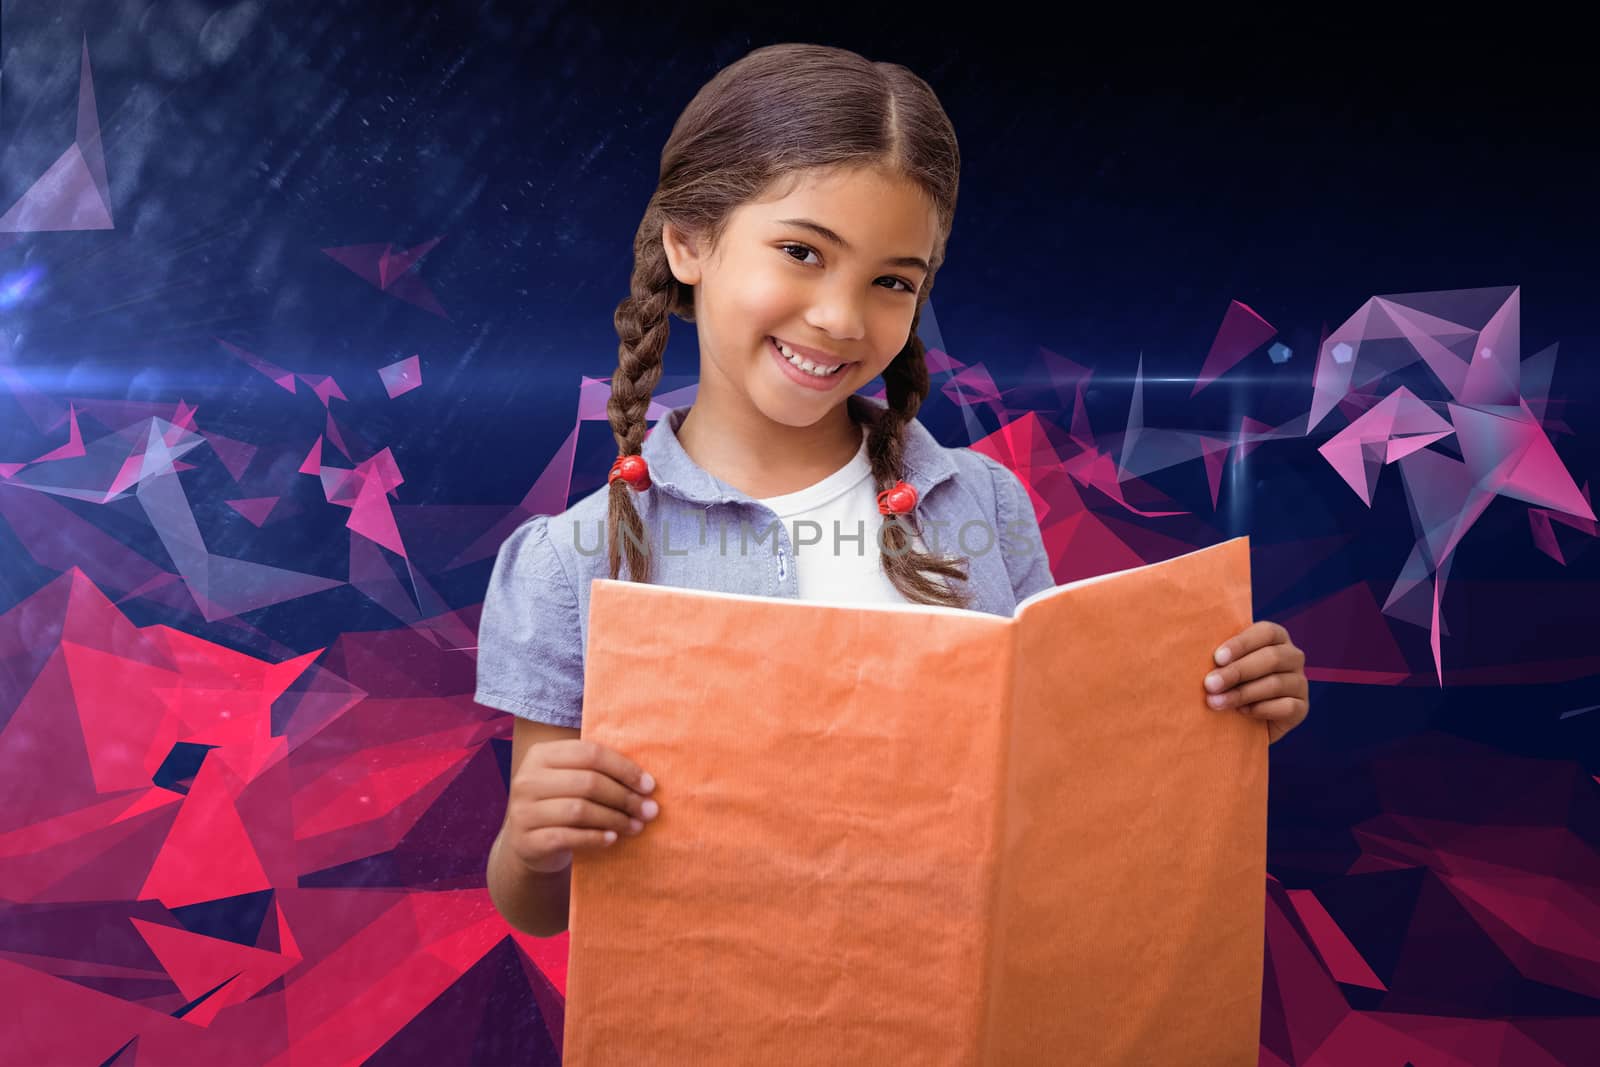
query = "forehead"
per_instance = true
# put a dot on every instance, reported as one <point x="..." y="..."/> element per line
<point x="871" y="209"/>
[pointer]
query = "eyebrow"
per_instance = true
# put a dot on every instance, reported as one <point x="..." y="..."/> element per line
<point x="822" y="231"/>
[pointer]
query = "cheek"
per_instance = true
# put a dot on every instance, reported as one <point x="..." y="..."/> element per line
<point x="889" y="335"/>
<point x="763" y="300"/>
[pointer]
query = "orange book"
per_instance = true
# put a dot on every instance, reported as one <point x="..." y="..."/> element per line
<point x="907" y="834"/>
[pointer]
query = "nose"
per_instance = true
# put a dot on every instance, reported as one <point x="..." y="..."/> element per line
<point x="839" y="311"/>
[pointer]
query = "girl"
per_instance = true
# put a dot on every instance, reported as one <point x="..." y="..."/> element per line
<point x="805" y="198"/>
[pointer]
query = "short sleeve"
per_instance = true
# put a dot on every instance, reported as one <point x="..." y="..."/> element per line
<point x="530" y="643"/>
<point x="1021" y="542"/>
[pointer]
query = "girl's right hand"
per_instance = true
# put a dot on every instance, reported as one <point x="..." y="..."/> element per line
<point x="572" y="794"/>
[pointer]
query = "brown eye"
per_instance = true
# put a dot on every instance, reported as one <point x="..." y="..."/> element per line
<point x="909" y="288"/>
<point x="802" y="248"/>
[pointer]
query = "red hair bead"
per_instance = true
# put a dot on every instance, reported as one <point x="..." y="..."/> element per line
<point x="897" y="501"/>
<point x="631" y="469"/>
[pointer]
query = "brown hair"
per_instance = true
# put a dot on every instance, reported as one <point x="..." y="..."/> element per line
<point x="781" y="110"/>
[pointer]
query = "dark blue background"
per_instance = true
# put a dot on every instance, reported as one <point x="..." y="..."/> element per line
<point x="1121" y="184"/>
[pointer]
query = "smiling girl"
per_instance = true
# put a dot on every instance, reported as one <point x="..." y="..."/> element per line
<point x="804" y="203"/>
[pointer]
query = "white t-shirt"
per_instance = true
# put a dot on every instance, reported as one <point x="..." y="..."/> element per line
<point x="838" y="520"/>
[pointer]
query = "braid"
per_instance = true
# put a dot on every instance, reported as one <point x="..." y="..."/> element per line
<point x="642" y="324"/>
<point x="906" y="384"/>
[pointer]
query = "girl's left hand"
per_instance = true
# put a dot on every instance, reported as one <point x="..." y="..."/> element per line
<point x="1262" y="674"/>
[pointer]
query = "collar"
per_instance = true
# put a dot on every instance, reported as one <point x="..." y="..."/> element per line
<point x="926" y="461"/>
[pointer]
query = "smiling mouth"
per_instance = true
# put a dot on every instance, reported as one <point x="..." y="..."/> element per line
<point x="829" y="370"/>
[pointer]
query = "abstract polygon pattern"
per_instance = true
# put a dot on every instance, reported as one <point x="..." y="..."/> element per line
<point x="74" y="193"/>
<point x="215" y="858"/>
<point x="1467" y="345"/>
<point x="391" y="269"/>
<point x="276" y="855"/>
<point x="401" y="377"/>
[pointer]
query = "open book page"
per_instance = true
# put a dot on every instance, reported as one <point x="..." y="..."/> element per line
<point x="1092" y="579"/>
<point x="817" y="886"/>
<point x="911" y="837"/>
<point x="1132" y="875"/>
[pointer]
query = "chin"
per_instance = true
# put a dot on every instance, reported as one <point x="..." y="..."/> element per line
<point x="797" y="415"/>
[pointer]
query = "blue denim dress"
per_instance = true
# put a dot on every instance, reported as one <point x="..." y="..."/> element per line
<point x="533" y="634"/>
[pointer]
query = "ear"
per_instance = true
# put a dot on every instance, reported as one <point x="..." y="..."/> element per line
<point x="683" y="256"/>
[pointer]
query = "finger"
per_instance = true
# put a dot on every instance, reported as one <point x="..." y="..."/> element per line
<point x="579" y="813"/>
<point x="1267" y="688"/>
<point x="1256" y="635"/>
<point x="581" y="754"/>
<point x="601" y="788"/>
<point x="1290" y="709"/>
<point x="1273" y="659"/>
<point x="1281" y="715"/>
<point x="548" y="839"/>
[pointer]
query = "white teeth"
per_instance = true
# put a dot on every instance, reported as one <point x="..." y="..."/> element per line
<point x="805" y="364"/>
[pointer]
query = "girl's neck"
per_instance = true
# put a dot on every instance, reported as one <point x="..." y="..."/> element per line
<point x="762" y="458"/>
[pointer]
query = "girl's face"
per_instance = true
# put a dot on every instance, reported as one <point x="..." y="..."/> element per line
<point x="831" y="270"/>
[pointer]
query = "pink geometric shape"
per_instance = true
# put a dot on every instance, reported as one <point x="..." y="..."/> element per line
<point x="1251" y="433"/>
<point x="372" y="574"/>
<point x="277" y="936"/>
<point x="183" y="417"/>
<point x="222" y="587"/>
<point x="1534" y="918"/>
<point x="1241" y="333"/>
<point x="1445" y="500"/>
<point x="1396" y="426"/>
<point x="1213" y="454"/>
<point x="256" y="509"/>
<point x="340" y="485"/>
<point x="1542" y="520"/>
<point x="235" y="455"/>
<point x="1535" y="374"/>
<point x="1512" y="456"/>
<point x="64" y="198"/>
<point x="1346" y="638"/>
<point x="971" y="385"/>
<point x="941" y="362"/>
<point x="376" y="781"/>
<point x="1343" y="959"/>
<point x="394" y="263"/>
<point x="383" y="468"/>
<point x="331" y="432"/>
<point x="1450" y="332"/>
<point x="87" y="136"/>
<point x="282" y="378"/>
<point x="401" y="377"/>
<point x="87" y="839"/>
<point x="391" y="270"/>
<point x="73" y="194"/>
<point x="371" y="516"/>
<point x="1301" y="983"/>
<point x="1444" y="346"/>
<point x="94" y="681"/>
<point x="1494" y="370"/>
<point x="208" y="854"/>
<point x="324" y="386"/>
<point x="1401" y="447"/>
<point x="1544" y="534"/>
<point x="199" y="964"/>
<point x="73" y="449"/>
